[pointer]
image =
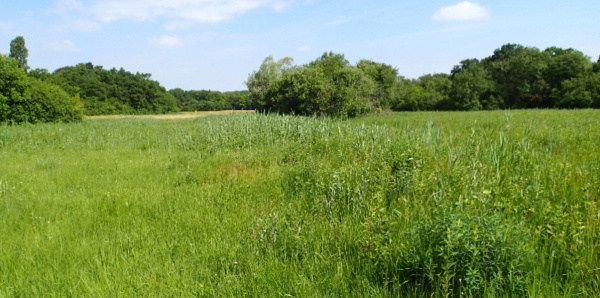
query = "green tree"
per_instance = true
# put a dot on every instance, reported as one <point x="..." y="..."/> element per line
<point x="311" y="91"/>
<point x="563" y="65"/>
<point x="328" y="86"/>
<point x="469" y="85"/>
<point x="114" y="91"/>
<point x="384" y="77"/>
<point x="406" y="95"/>
<point x="330" y="62"/>
<point x="19" y="52"/>
<point x="28" y="99"/>
<point x="428" y="92"/>
<point x="349" y="91"/>
<point x="258" y="81"/>
<point x="236" y="100"/>
<point x="518" y="73"/>
<point x="301" y="91"/>
<point x="582" y="91"/>
<point x="437" y="89"/>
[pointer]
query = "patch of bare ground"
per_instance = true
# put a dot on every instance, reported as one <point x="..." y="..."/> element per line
<point x="182" y="115"/>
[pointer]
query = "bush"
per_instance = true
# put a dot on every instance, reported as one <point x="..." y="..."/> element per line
<point x="54" y="104"/>
<point x="328" y="86"/>
<point x="27" y="99"/>
<point x="452" y="253"/>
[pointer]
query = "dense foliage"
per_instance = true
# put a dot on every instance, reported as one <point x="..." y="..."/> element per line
<point x="106" y="92"/>
<point x="327" y="86"/>
<point x="112" y="91"/>
<point x="207" y="100"/>
<point x="514" y="77"/>
<point x="27" y="99"/>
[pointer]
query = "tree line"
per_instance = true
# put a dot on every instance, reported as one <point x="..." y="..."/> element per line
<point x="70" y="92"/>
<point x="207" y="100"/>
<point x="513" y="77"/>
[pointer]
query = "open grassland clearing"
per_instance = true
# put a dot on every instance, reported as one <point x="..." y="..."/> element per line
<point x="408" y="204"/>
<point x="180" y="115"/>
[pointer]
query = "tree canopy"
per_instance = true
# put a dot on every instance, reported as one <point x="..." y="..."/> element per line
<point x="327" y="86"/>
<point x="112" y="91"/>
<point x="513" y="77"/>
<point x="27" y="99"/>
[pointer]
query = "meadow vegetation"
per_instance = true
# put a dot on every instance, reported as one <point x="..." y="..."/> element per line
<point x="497" y="203"/>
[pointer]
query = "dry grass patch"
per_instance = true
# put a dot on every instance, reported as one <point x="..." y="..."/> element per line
<point x="182" y="115"/>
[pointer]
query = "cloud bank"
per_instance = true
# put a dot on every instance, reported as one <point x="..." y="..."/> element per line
<point x="462" y="11"/>
<point x="180" y="14"/>
<point x="63" y="46"/>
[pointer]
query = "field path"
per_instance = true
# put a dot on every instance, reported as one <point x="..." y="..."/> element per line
<point x="182" y="115"/>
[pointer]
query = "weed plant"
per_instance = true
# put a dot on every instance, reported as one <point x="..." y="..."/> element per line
<point x="492" y="204"/>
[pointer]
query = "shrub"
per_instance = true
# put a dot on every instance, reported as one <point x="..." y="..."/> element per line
<point x="27" y="99"/>
<point x="455" y="253"/>
<point x="328" y="86"/>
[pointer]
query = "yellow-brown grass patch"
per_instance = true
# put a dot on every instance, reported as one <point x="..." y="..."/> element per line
<point x="182" y="115"/>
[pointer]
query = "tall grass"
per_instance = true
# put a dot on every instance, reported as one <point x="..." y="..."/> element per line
<point x="407" y="204"/>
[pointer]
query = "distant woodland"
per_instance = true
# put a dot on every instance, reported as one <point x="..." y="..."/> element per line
<point x="513" y="77"/>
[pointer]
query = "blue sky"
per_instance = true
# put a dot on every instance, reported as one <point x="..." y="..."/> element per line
<point x="215" y="44"/>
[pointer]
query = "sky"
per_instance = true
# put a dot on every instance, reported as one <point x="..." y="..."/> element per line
<point x="216" y="44"/>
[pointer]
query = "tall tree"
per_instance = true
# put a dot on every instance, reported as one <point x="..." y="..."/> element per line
<point x="565" y="64"/>
<point x="384" y="77"/>
<point x="328" y="86"/>
<point x="469" y="85"/>
<point x="19" y="52"/>
<point x="258" y="81"/>
<point x="518" y="75"/>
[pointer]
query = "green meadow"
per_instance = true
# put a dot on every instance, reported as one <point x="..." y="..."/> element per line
<point x="494" y="204"/>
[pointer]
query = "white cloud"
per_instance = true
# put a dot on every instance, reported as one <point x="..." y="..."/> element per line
<point x="77" y="25"/>
<point x="64" y="7"/>
<point x="166" y="41"/>
<point x="75" y="17"/>
<point x="179" y="25"/>
<point x="304" y="49"/>
<point x="462" y="11"/>
<point x="63" y="46"/>
<point x="181" y="13"/>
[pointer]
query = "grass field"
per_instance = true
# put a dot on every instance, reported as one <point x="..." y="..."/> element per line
<point x="495" y="204"/>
